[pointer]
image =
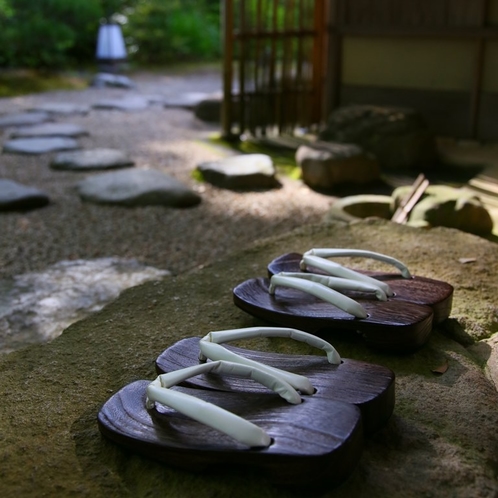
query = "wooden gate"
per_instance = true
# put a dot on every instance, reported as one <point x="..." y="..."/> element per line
<point x="274" y="53"/>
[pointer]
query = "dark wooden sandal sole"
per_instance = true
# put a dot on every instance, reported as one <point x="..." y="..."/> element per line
<point x="396" y="326"/>
<point x="436" y="294"/>
<point x="370" y="387"/>
<point x="315" y="444"/>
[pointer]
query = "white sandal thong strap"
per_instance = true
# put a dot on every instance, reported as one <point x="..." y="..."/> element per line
<point x="210" y="346"/>
<point x="337" y="270"/>
<point x="339" y="284"/>
<point x="211" y="415"/>
<point x="321" y="291"/>
<point x="344" y="252"/>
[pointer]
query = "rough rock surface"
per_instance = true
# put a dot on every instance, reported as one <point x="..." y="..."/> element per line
<point x="18" y="197"/>
<point x="450" y="207"/>
<point x="249" y="171"/>
<point x="135" y="187"/>
<point x="88" y="159"/>
<point x="399" y="138"/>
<point x="441" y="440"/>
<point x="37" y="307"/>
<point x="39" y="145"/>
<point x="326" y="165"/>
<point x="50" y="130"/>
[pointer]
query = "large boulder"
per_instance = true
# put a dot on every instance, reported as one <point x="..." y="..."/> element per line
<point x="441" y="440"/>
<point x="449" y="207"/>
<point x="326" y="165"/>
<point x="399" y="138"/>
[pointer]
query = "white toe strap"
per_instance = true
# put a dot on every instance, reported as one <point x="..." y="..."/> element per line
<point x="321" y="291"/>
<point x="359" y="253"/>
<point x="339" y="284"/>
<point x="211" y="348"/>
<point x="211" y="415"/>
<point x="340" y="271"/>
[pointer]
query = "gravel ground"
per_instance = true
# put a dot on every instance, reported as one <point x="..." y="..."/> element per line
<point x="170" y="140"/>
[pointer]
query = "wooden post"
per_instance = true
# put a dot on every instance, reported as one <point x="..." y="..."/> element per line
<point x="227" y="107"/>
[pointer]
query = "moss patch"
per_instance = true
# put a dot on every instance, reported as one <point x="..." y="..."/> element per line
<point x="22" y="82"/>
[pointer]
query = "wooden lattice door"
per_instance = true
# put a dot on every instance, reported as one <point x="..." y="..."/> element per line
<point x="273" y="65"/>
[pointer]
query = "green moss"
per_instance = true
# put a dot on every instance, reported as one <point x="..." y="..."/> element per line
<point x="22" y="82"/>
<point x="283" y="157"/>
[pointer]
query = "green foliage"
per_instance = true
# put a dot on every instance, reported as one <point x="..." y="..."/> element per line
<point x="174" y="30"/>
<point x="42" y="33"/>
<point x="63" y="33"/>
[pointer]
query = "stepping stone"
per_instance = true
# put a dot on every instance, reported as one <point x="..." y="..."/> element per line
<point x="37" y="307"/>
<point x="185" y="100"/>
<point x="325" y="165"/>
<point x="39" y="145"/>
<point x="251" y="171"/>
<point x="63" y="108"/>
<point x="137" y="187"/>
<point x="91" y="159"/>
<point x="50" y="130"/>
<point x="17" y="197"/>
<point x="23" y="119"/>
<point x="134" y="103"/>
<point x="101" y="80"/>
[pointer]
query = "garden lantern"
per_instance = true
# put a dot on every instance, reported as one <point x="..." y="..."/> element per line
<point x="110" y="44"/>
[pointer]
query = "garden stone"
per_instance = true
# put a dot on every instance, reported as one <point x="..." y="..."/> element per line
<point x="23" y="119"/>
<point x="325" y="165"/>
<point x="39" y="145"/>
<point x="101" y="80"/>
<point x="82" y="160"/>
<point x="251" y="171"/>
<point x="134" y="103"/>
<point x="450" y="207"/>
<point x="187" y="100"/>
<point x="209" y="110"/>
<point x="17" y="197"/>
<point x="50" y="130"/>
<point x="354" y="207"/>
<point x="135" y="187"/>
<point x="399" y="138"/>
<point x="62" y="108"/>
<point x="37" y="307"/>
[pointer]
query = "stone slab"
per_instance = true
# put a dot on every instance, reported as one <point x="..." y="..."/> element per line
<point x="50" y="130"/>
<point x="39" y="145"/>
<point x="135" y="187"/>
<point x="248" y="171"/>
<point x="62" y="108"/>
<point x="23" y="119"/>
<point x="17" y="197"/>
<point x="101" y="80"/>
<point x="135" y="103"/>
<point x="90" y="159"/>
<point x="441" y="440"/>
<point x="188" y="100"/>
<point x="36" y="307"/>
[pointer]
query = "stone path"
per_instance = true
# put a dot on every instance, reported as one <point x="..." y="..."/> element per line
<point x="37" y="307"/>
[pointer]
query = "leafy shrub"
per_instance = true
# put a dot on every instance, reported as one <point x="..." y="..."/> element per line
<point x="174" y="30"/>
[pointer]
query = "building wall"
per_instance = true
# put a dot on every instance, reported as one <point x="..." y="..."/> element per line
<point x="433" y="74"/>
